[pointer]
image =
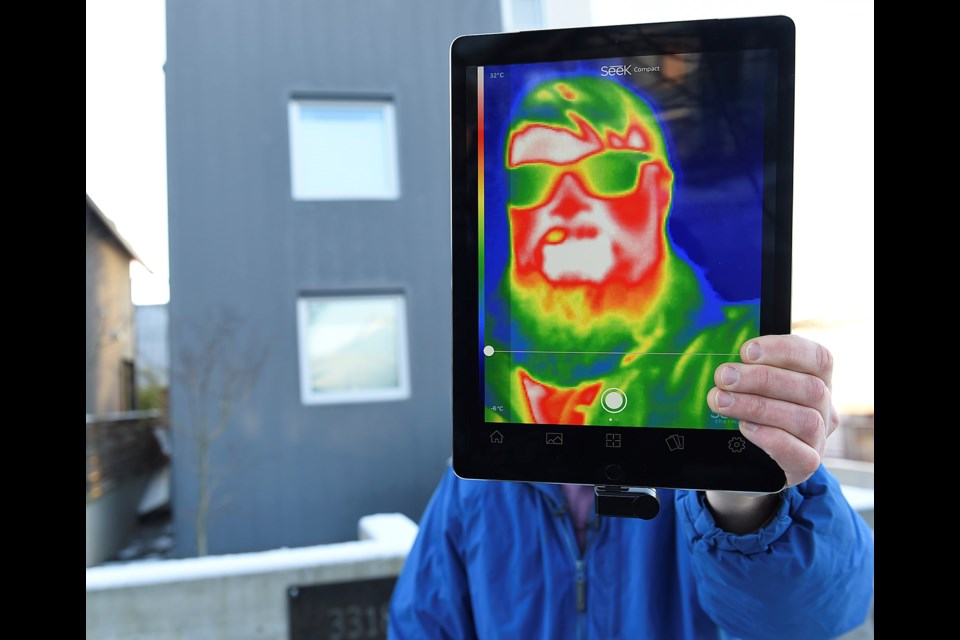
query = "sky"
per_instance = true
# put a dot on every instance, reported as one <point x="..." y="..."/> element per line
<point x="833" y="173"/>
<point x="126" y="133"/>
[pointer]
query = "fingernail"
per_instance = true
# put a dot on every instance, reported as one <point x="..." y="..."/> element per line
<point x="749" y="426"/>
<point x="724" y="399"/>
<point x="754" y="351"/>
<point x="729" y="375"/>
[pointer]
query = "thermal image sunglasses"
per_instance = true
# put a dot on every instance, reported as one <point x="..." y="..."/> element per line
<point x="605" y="175"/>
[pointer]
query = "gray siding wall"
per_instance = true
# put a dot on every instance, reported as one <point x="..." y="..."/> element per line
<point x="290" y="474"/>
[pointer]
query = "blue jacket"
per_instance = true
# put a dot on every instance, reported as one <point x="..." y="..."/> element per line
<point x="500" y="560"/>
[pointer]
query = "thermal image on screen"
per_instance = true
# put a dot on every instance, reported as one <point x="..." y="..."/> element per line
<point x="596" y="306"/>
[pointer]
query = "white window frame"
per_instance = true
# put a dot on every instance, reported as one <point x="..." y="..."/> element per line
<point x="299" y="191"/>
<point x="309" y="396"/>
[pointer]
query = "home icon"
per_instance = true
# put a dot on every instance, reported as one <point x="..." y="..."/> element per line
<point x="496" y="437"/>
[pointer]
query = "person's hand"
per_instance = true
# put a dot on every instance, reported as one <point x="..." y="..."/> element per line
<point x="781" y="393"/>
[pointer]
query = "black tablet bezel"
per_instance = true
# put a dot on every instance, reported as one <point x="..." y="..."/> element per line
<point x="511" y="451"/>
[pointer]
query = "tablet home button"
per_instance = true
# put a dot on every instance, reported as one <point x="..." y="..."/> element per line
<point x="613" y="472"/>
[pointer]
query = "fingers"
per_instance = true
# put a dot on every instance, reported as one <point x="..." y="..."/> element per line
<point x="771" y="382"/>
<point x="781" y="394"/>
<point x="802" y="422"/>
<point x="793" y="353"/>
<point x="792" y="435"/>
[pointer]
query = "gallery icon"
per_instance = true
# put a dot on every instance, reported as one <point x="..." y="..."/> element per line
<point x="675" y="442"/>
<point x="613" y="440"/>
<point x="737" y="444"/>
<point x="554" y="438"/>
<point x="496" y="437"/>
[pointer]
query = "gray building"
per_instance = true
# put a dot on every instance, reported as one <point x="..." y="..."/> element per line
<point x="309" y="248"/>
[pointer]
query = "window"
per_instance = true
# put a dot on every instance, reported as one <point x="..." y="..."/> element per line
<point x="128" y="385"/>
<point x="519" y="15"/>
<point x="353" y="349"/>
<point x="343" y="150"/>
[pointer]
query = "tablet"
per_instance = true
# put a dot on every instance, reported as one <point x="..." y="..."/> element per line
<point x="621" y="224"/>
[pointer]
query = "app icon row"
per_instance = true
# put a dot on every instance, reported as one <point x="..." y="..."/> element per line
<point x="674" y="442"/>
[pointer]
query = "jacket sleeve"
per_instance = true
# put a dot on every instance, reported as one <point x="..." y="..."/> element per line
<point x="431" y="598"/>
<point x="808" y="573"/>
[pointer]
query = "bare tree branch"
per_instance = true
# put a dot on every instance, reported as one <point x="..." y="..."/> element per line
<point x="217" y="371"/>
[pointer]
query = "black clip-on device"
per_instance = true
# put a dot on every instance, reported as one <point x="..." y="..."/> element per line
<point x="626" y="502"/>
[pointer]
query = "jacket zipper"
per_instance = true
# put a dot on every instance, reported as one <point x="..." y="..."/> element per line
<point x="559" y="511"/>
<point x="581" y="587"/>
<point x="582" y="567"/>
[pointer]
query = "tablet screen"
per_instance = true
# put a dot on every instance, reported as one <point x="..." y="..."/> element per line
<point x="626" y="234"/>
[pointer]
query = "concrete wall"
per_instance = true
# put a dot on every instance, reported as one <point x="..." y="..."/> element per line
<point x="856" y="478"/>
<point x="234" y="596"/>
<point x="111" y="519"/>
<point x="291" y="474"/>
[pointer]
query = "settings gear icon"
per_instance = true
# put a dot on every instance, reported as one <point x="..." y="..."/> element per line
<point x="737" y="444"/>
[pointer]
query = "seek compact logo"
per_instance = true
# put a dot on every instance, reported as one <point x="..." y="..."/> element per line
<point x="625" y="69"/>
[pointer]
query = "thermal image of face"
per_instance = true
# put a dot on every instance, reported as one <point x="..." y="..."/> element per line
<point x="590" y="189"/>
<point x="608" y="323"/>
